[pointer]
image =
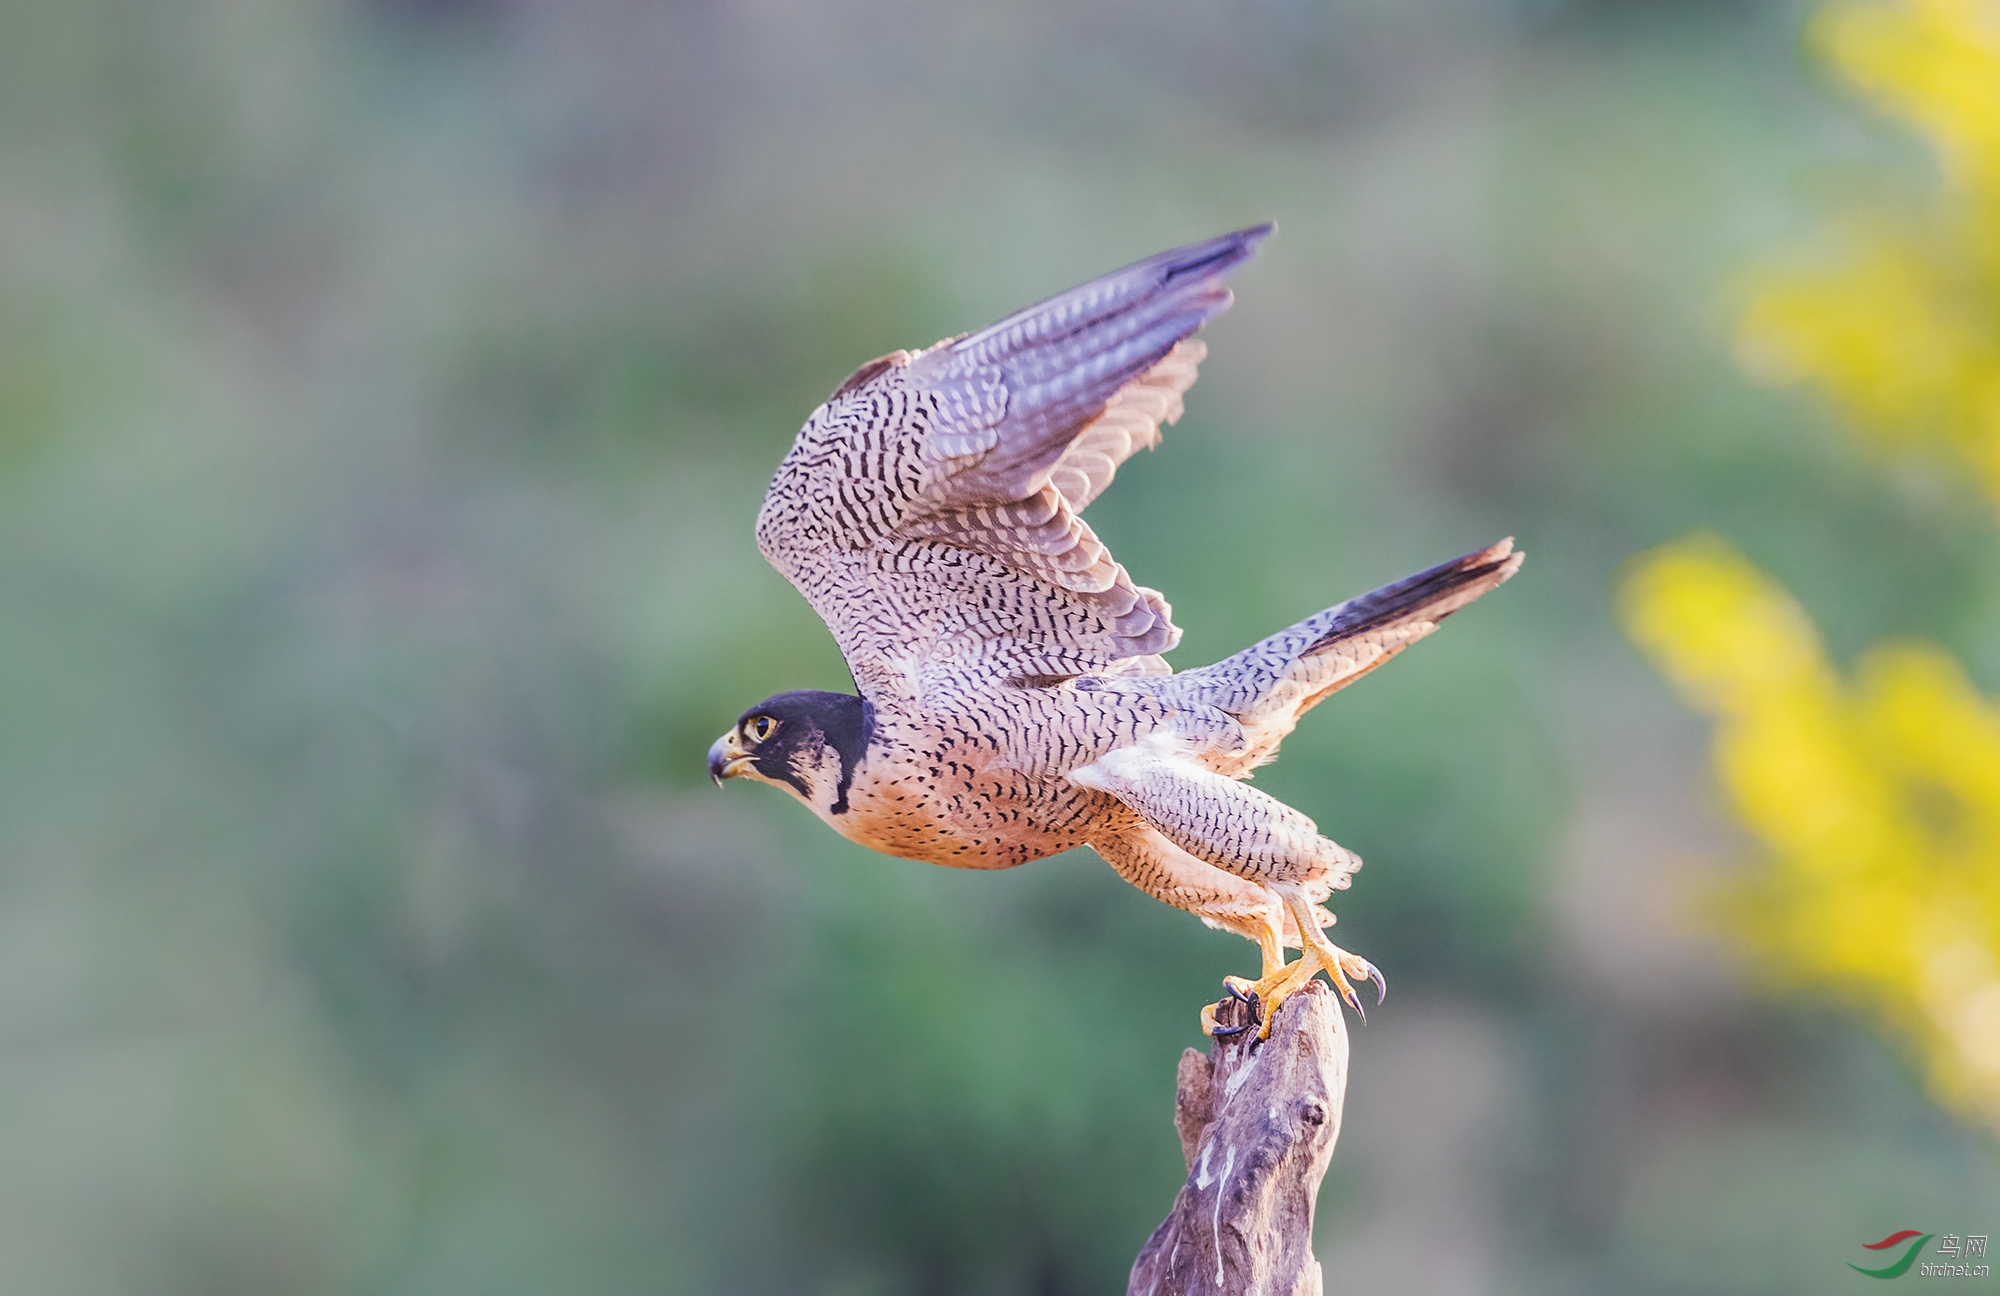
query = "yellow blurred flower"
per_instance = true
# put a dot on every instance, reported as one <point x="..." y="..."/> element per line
<point x="1898" y="316"/>
<point x="1878" y="800"/>
<point x="1936" y="62"/>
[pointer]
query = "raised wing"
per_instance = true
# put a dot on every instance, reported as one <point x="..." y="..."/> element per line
<point x="950" y="481"/>
<point x="1012" y="398"/>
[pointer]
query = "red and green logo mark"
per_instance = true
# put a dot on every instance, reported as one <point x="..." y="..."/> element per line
<point x="1953" y="1255"/>
<point x="1901" y="1265"/>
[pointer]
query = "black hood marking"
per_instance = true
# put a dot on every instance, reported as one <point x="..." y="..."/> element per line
<point x="811" y="719"/>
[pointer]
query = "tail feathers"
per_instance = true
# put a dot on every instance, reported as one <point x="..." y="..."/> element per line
<point x="1269" y="685"/>
<point x="1428" y="596"/>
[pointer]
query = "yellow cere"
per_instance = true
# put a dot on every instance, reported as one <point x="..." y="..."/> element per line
<point x="1876" y="797"/>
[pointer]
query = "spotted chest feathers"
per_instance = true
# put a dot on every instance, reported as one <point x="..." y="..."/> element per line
<point x="975" y="775"/>
<point x="949" y="801"/>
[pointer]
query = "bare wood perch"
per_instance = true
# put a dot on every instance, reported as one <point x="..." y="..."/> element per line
<point x="1257" y="1124"/>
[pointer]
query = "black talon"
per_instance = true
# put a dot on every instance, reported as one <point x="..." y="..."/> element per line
<point x="1250" y="1001"/>
<point x="1381" y="986"/>
<point x="1255" y="1004"/>
<point x="1353" y="1000"/>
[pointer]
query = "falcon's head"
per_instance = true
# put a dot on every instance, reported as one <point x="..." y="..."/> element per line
<point x="808" y="742"/>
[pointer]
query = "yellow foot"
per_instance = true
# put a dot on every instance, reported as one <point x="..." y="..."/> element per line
<point x="1345" y="966"/>
<point x="1255" y="996"/>
<point x="1265" y="996"/>
<point x="1251" y="1014"/>
<point x="1211" y="1026"/>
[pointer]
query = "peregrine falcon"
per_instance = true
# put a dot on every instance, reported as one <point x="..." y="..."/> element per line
<point x="1012" y="697"/>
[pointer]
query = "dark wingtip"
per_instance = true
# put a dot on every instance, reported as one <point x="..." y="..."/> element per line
<point x="1222" y="252"/>
<point x="1251" y="235"/>
<point x="1179" y="290"/>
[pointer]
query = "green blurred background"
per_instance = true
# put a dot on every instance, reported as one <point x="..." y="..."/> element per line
<point x="386" y="392"/>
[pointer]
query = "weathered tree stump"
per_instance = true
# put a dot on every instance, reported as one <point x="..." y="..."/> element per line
<point x="1257" y="1125"/>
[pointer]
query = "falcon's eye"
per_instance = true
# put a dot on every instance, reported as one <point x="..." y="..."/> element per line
<point x="760" y="728"/>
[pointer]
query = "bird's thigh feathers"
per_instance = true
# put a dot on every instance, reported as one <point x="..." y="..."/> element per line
<point x="1146" y="859"/>
<point x="1216" y="819"/>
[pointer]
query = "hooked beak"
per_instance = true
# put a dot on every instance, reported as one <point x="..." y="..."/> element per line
<point x="726" y="758"/>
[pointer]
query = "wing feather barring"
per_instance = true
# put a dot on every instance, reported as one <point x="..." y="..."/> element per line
<point x="1013" y="701"/>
